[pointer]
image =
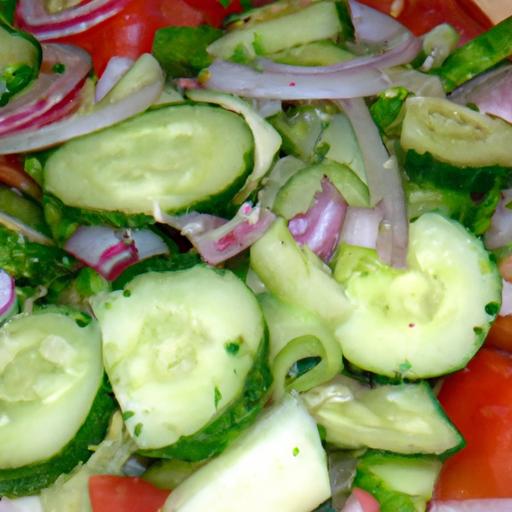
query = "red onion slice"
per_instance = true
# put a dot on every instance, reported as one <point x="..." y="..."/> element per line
<point x="116" y="68"/>
<point x="491" y="92"/>
<point x="506" y="299"/>
<point x="499" y="233"/>
<point x="101" y="117"/>
<point x="361" y="501"/>
<point x="384" y="183"/>
<point x="7" y="295"/>
<point x="361" y="226"/>
<point x="217" y="239"/>
<point x="403" y="53"/>
<point x="25" y="504"/>
<point x="33" y="17"/>
<point x="319" y="228"/>
<point x="483" y="505"/>
<point x="49" y="89"/>
<point x="245" y="81"/>
<point x="110" y="251"/>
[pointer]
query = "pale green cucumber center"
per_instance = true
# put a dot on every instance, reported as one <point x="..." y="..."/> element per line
<point x="50" y="371"/>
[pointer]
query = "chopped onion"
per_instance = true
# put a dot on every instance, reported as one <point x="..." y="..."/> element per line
<point x="217" y="239"/>
<point x="25" y="504"/>
<point x="361" y="501"/>
<point x="81" y="124"/>
<point x="7" y="295"/>
<point x="110" y="251"/>
<point x="33" y="17"/>
<point x="506" y="299"/>
<point x="49" y="90"/>
<point x="116" y="68"/>
<point x="384" y="183"/>
<point x="361" y="226"/>
<point x="500" y="232"/>
<point x="491" y="93"/>
<point x="483" y="505"/>
<point x="246" y="81"/>
<point x="25" y="230"/>
<point x="319" y="228"/>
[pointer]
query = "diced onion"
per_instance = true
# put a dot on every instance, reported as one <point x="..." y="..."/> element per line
<point x="483" y="505"/>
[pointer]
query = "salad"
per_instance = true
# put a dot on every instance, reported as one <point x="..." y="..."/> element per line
<point x="255" y="258"/>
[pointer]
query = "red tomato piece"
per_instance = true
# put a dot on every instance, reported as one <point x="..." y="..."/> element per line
<point x="130" y="33"/>
<point x="478" y="400"/>
<point x="109" y="493"/>
<point x="214" y="10"/>
<point x="500" y="335"/>
<point x="420" y="16"/>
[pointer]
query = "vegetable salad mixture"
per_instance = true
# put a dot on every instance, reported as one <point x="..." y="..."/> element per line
<point x="249" y="256"/>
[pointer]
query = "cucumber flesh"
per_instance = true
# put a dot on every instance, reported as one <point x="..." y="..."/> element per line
<point x="298" y="193"/>
<point x="315" y="22"/>
<point x="318" y="53"/>
<point x="455" y="134"/>
<point x="177" y="156"/>
<point x="403" y="418"/>
<point x="295" y="275"/>
<point x="282" y="447"/>
<point x="428" y="320"/>
<point x="175" y="354"/>
<point x="50" y="372"/>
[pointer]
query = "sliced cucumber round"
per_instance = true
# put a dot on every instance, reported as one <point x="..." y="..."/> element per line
<point x="178" y="157"/>
<point x="430" y="319"/>
<point x="186" y="353"/>
<point x="50" y="376"/>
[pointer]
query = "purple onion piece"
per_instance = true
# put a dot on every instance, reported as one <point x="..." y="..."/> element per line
<point x="319" y="228"/>
<point x="110" y="251"/>
<point x="217" y="239"/>
<point x="487" y="505"/>
<point x="499" y="233"/>
<point x="7" y="295"/>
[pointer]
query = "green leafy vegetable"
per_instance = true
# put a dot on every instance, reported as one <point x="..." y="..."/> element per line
<point x="181" y="51"/>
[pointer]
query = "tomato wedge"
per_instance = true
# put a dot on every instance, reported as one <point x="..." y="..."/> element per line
<point x="109" y="493"/>
<point x="478" y="400"/>
<point x="420" y="16"/>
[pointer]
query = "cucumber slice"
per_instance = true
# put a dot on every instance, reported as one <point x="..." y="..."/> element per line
<point x="398" y="482"/>
<point x="277" y="465"/>
<point x="455" y="134"/>
<point x="338" y="142"/>
<point x="297" y="195"/>
<point x="403" y="418"/>
<point x="318" y="53"/>
<point x="188" y="374"/>
<point x="51" y="404"/>
<point x="295" y="275"/>
<point x="20" y="60"/>
<point x="285" y="29"/>
<point x="177" y="156"/>
<point x="428" y="320"/>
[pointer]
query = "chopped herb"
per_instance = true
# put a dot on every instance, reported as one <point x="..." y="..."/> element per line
<point x="217" y="396"/>
<point x="492" y="308"/>
<point x="296" y="451"/>
<point x="59" y="68"/>
<point x="127" y="293"/>
<point x="127" y="415"/>
<point x="404" y="367"/>
<point x="232" y="347"/>
<point x="225" y="3"/>
<point x="137" y="430"/>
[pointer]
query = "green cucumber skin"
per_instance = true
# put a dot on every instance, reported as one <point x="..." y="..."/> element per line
<point x="424" y="168"/>
<point x="30" y="479"/>
<point x="214" y="437"/>
<point x="64" y="220"/>
<point x="477" y="56"/>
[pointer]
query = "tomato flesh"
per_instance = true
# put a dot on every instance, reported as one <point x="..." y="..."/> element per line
<point x="130" y="33"/>
<point x="110" y="493"/>
<point x="420" y="16"/>
<point x="478" y="400"/>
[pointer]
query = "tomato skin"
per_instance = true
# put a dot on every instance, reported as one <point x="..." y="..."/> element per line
<point x="110" y="493"/>
<point x="478" y="400"/>
<point x="130" y="33"/>
<point x="420" y="16"/>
